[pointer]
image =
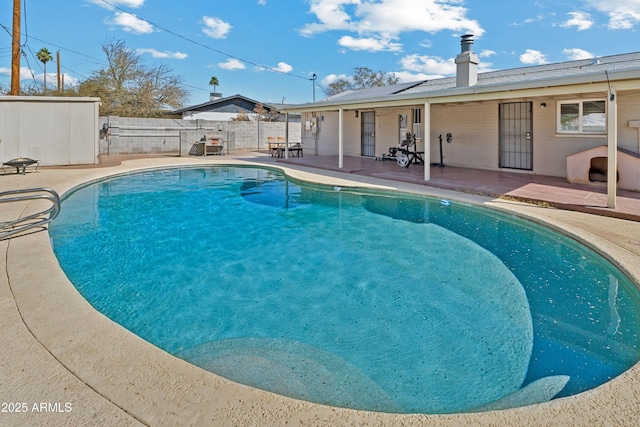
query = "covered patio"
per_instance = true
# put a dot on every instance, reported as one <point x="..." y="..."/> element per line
<point x="545" y="190"/>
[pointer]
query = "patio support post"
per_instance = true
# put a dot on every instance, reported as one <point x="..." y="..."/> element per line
<point x="612" y="145"/>
<point x="340" y="138"/>
<point x="286" y="135"/>
<point x="427" y="141"/>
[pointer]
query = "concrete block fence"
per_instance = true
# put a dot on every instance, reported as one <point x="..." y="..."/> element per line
<point x="125" y="135"/>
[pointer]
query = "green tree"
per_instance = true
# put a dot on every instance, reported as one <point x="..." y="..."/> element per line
<point x="44" y="56"/>
<point x="129" y="88"/>
<point x="214" y="82"/>
<point x="363" y="78"/>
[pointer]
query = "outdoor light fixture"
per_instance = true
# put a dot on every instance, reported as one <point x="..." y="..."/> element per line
<point x="356" y="114"/>
<point x="543" y="105"/>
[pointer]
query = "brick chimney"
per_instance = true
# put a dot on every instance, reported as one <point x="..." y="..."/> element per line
<point x="467" y="63"/>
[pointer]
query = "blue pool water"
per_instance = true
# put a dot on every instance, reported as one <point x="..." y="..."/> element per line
<point x="351" y="298"/>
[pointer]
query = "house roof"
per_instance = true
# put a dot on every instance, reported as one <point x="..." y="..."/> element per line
<point x="535" y="78"/>
<point x="542" y="72"/>
<point x="373" y="92"/>
<point x="235" y="99"/>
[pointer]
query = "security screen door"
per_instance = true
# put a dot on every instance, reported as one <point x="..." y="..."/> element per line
<point x="368" y="120"/>
<point x="516" y="135"/>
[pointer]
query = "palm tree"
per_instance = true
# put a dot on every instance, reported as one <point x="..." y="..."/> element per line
<point x="44" y="56"/>
<point x="214" y="82"/>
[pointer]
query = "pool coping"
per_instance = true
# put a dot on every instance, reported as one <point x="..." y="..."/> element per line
<point x="62" y="351"/>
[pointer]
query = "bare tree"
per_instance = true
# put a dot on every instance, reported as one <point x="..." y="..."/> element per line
<point x="260" y="111"/>
<point x="363" y="78"/>
<point x="130" y="88"/>
<point x="241" y="117"/>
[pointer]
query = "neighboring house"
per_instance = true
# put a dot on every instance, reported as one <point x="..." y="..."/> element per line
<point x="228" y="108"/>
<point x="526" y="119"/>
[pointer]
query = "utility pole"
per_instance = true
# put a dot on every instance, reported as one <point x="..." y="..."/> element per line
<point x="15" y="50"/>
<point x="313" y="79"/>
<point x="58" y="61"/>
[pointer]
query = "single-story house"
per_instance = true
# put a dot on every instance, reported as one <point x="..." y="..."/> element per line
<point x="526" y="120"/>
<point x="219" y="108"/>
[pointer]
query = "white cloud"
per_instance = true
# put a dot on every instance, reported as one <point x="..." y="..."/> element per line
<point x="576" y="54"/>
<point x="581" y="20"/>
<point x="70" y="81"/>
<point x="623" y="14"/>
<point x="538" y="18"/>
<point x="368" y="43"/>
<point x="486" y="53"/>
<point x="406" y="77"/>
<point x="131" y="23"/>
<point x="385" y="20"/>
<point x="157" y="54"/>
<point x="432" y="65"/>
<point x="126" y="3"/>
<point x="215" y="28"/>
<point x="232" y="64"/>
<point x="26" y="74"/>
<point x="262" y="2"/>
<point x="533" y="57"/>
<point x="332" y="78"/>
<point x="283" y="67"/>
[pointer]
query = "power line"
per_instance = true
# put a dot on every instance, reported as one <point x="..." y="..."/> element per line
<point x="59" y="47"/>
<point x="207" y="47"/>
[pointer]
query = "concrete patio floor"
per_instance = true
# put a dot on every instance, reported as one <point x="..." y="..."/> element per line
<point x="70" y="365"/>
<point x="553" y="191"/>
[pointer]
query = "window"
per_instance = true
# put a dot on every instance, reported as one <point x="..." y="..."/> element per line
<point x="416" y="115"/>
<point x="582" y="116"/>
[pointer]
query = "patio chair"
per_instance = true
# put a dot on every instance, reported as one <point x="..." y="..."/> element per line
<point x="273" y="146"/>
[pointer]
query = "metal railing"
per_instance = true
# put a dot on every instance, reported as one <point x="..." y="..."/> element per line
<point x="39" y="219"/>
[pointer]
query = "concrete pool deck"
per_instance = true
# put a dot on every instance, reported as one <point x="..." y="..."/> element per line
<point x="70" y="365"/>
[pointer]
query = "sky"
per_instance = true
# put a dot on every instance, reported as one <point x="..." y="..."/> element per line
<point x="269" y="50"/>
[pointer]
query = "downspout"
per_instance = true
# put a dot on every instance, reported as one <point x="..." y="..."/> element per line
<point x="427" y="141"/>
<point x="612" y="145"/>
<point x="340" y="138"/>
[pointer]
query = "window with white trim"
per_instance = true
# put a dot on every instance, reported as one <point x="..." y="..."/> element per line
<point x="582" y="117"/>
<point x="416" y="115"/>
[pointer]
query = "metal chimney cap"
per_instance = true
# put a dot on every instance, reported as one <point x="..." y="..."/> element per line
<point x="466" y="42"/>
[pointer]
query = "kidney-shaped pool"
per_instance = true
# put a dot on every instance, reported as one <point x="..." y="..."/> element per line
<point x="352" y="298"/>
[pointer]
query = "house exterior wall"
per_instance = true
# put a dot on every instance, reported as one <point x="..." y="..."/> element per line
<point x="551" y="149"/>
<point x="56" y="131"/>
<point x="387" y="129"/>
<point x="629" y="111"/>
<point x="352" y="133"/>
<point x="475" y="130"/>
<point x="209" y="115"/>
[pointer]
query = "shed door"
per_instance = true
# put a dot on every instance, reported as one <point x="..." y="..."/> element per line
<point x="516" y="135"/>
<point x="368" y="129"/>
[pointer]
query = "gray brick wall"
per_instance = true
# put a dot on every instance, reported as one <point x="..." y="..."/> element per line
<point x="176" y="136"/>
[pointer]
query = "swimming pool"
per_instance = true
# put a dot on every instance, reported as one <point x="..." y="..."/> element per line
<point x="206" y="256"/>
